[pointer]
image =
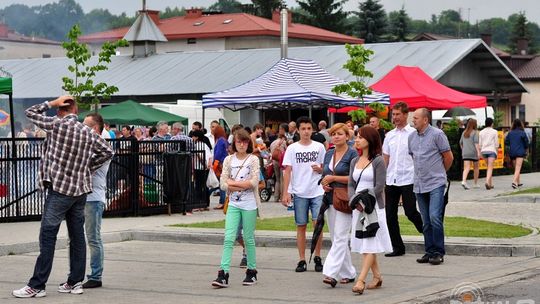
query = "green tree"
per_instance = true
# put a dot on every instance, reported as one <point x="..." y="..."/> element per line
<point x="326" y="14"/>
<point x="81" y="85"/>
<point x="21" y="18"/>
<point x="121" y="21"/>
<point x="399" y="24"/>
<point x="227" y="6"/>
<point x="58" y="17"/>
<point x="264" y="8"/>
<point x="96" y="20"/>
<point x="172" y="12"/>
<point x="357" y="88"/>
<point x="372" y="21"/>
<point x="499" y="28"/>
<point x="521" y="28"/>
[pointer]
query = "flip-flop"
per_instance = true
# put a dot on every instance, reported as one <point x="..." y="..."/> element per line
<point x="346" y="281"/>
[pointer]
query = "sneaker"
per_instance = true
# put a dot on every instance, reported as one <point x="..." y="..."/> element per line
<point x="243" y="262"/>
<point x="29" y="292"/>
<point x="436" y="259"/>
<point x="318" y="264"/>
<point x="251" y="277"/>
<point x="424" y="259"/>
<point x="301" y="267"/>
<point x="92" y="284"/>
<point x="75" y="289"/>
<point x="222" y="280"/>
<point x="465" y="186"/>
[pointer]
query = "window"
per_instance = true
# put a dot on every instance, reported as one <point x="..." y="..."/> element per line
<point x="45" y="55"/>
<point x="192" y="40"/>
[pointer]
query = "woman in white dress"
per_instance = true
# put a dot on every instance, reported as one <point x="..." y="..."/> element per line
<point x="368" y="171"/>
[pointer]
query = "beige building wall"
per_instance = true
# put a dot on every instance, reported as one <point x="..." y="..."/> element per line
<point x="23" y="50"/>
<point x="531" y="101"/>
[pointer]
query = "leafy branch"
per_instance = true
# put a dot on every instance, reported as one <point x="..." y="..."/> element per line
<point x="82" y="86"/>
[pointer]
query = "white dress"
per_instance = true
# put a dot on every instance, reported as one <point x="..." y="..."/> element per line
<point x="381" y="241"/>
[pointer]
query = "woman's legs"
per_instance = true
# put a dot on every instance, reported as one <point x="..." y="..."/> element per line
<point x="231" y="226"/>
<point x="466" y="169"/>
<point x="517" y="169"/>
<point x="476" y="172"/>
<point x="489" y="173"/>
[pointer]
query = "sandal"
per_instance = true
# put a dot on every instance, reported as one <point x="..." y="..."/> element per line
<point x="330" y="281"/>
<point x="359" y="287"/>
<point x="346" y="281"/>
<point x="218" y="207"/>
<point x="375" y="283"/>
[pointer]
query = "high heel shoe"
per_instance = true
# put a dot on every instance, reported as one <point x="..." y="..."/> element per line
<point x="359" y="287"/>
<point x="375" y="283"/>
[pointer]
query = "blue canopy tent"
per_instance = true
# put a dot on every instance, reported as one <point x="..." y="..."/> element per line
<point x="290" y="83"/>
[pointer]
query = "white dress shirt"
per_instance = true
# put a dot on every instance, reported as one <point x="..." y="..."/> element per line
<point x="400" y="171"/>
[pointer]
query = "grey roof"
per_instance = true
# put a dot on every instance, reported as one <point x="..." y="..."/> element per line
<point x="144" y="29"/>
<point x="212" y="71"/>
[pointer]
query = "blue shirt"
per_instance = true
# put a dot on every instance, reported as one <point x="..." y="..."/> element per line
<point x="426" y="149"/>
<point x="518" y="142"/>
<point x="220" y="149"/>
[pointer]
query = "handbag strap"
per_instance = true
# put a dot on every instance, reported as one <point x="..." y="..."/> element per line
<point x="361" y="172"/>
<point x="241" y="166"/>
<point x="334" y="163"/>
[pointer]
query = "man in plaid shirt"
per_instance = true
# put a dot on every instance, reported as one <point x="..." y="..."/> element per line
<point x="72" y="152"/>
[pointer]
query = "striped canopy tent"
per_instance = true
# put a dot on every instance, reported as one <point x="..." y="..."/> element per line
<point x="290" y="83"/>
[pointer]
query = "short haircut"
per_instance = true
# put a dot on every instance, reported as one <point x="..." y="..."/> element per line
<point x="70" y="105"/>
<point x="258" y="126"/>
<point x="215" y="121"/>
<point x="236" y="127"/>
<point x="127" y="127"/>
<point x="198" y="124"/>
<point x="161" y="124"/>
<point x="489" y="122"/>
<point x="304" y="120"/>
<point x="178" y="125"/>
<point x="339" y="126"/>
<point x="402" y="106"/>
<point x="242" y="135"/>
<point x="425" y="112"/>
<point x="373" y="138"/>
<point x="97" y="119"/>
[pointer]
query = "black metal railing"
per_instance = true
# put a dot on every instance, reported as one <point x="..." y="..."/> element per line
<point x="135" y="180"/>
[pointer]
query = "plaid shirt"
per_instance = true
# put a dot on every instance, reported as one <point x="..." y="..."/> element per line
<point x="186" y="139"/>
<point x="72" y="152"/>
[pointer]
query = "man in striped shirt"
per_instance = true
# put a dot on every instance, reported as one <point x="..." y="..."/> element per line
<point x="72" y="152"/>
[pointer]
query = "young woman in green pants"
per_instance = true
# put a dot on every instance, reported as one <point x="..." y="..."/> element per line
<point x="240" y="179"/>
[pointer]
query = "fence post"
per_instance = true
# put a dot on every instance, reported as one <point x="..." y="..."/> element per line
<point x="134" y="175"/>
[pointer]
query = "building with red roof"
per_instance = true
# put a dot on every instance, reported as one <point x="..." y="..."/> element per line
<point x="199" y="31"/>
<point x="17" y="46"/>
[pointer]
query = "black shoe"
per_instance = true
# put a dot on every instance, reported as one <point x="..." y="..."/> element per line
<point x="92" y="284"/>
<point x="243" y="262"/>
<point x="318" y="264"/>
<point x="301" y="267"/>
<point x="222" y="280"/>
<point x="436" y="259"/>
<point x="251" y="277"/>
<point x="424" y="259"/>
<point x="395" y="254"/>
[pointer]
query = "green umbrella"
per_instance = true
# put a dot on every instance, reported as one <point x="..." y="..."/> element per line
<point x="130" y="112"/>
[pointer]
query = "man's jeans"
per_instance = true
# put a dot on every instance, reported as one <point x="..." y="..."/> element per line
<point x="431" y="206"/>
<point x="93" y="213"/>
<point x="57" y="207"/>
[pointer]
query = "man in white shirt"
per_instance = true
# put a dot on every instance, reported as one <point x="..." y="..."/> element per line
<point x="399" y="177"/>
<point x="303" y="167"/>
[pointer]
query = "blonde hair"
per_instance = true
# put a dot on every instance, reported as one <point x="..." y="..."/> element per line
<point x="340" y="126"/>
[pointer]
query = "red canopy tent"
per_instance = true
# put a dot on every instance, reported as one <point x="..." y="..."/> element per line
<point x="413" y="86"/>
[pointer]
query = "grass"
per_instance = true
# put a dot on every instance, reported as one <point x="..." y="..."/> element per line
<point x="526" y="191"/>
<point x="454" y="226"/>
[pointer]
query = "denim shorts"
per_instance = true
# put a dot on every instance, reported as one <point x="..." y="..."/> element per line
<point x="489" y="154"/>
<point x="303" y="205"/>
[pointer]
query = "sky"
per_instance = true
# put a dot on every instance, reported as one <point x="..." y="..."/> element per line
<point x="471" y="10"/>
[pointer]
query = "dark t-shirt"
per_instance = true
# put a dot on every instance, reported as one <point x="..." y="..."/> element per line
<point x="381" y="134"/>
<point x="318" y="137"/>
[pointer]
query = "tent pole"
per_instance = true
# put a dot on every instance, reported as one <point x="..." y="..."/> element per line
<point x="202" y="118"/>
<point x="310" y="109"/>
<point x="289" y="112"/>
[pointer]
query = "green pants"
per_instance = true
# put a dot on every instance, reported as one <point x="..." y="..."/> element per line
<point x="232" y="220"/>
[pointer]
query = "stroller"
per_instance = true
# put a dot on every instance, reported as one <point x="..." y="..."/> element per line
<point x="269" y="181"/>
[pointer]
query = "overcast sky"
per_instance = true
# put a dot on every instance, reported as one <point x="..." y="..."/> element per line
<point x="418" y="9"/>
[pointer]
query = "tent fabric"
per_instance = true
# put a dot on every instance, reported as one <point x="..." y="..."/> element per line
<point x="290" y="83"/>
<point x="134" y="113"/>
<point x="6" y="85"/>
<point x="413" y="86"/>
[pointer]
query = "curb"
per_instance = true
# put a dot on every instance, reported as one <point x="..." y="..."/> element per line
<point x="518" y="198"/>
<point x="216" y="238"/>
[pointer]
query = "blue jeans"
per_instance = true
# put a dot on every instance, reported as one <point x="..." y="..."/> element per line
<point x="93" y="213"/>
<point x="431" y="206"/>
<point x="303" y="205"/>
<point x="57" y="207"/>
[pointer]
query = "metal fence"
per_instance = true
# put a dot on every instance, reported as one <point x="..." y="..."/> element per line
<point x="144" y="178"/>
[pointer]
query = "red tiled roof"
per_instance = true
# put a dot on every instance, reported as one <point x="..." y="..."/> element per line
<point x="7" y="34"/>
<point x="214" y="27"/>
<point x="529" y="70"/>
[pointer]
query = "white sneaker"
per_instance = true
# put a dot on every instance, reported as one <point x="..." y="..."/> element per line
<point x="75" y="289"/>
<point x="29" y="292"/>
<point x="465" y="186"/>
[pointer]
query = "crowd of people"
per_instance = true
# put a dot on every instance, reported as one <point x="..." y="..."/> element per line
<point x="359" y="174"/>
